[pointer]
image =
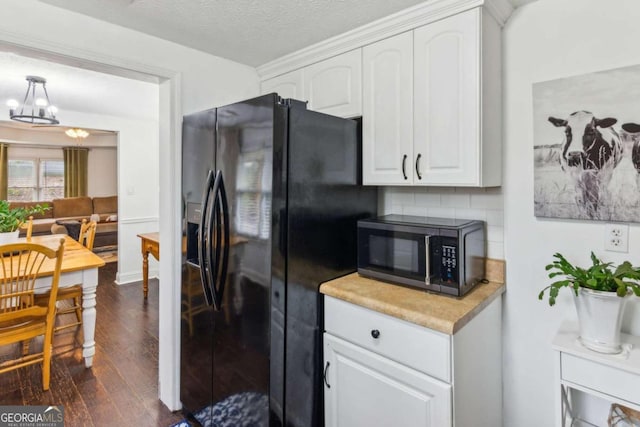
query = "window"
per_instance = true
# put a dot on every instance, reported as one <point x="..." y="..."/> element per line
<point x="22" y="180"/>
<point x="35" y="179"/>
<point x="51" y="182"/>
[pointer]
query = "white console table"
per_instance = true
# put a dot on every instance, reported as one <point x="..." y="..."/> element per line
<point x="615" y="378"/>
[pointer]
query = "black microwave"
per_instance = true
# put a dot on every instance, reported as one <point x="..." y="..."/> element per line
<point x="443" y="255"/>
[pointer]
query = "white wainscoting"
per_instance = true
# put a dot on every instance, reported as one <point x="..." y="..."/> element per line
<point x="129" y="254"/>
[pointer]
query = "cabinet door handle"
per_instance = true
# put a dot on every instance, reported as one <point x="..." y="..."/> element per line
<point x="375" y="333"/>
<point x="404" y="163"/>
<point x="418" y="166"/>
<point x="325" y="375"/>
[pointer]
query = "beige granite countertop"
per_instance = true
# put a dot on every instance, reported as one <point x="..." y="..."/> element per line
<point x="442" y="313"/>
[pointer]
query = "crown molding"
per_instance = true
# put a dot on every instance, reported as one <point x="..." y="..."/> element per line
<point x="397" y="23"/>
<point x="501" y="10"/>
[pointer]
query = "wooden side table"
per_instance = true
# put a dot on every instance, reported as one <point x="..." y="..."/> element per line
<point x="150" y="245"/>
<point x="615" y="378"/>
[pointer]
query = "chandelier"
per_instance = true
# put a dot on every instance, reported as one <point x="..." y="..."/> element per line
<point x="35" y="108"/>
<point x="77" y="133"/>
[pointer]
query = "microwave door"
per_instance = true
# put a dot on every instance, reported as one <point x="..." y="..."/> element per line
<point x="427" y="260"/>
<point x="397" y="256"/>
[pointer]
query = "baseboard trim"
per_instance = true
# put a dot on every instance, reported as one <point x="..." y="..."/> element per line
<point x="126" y="278"/>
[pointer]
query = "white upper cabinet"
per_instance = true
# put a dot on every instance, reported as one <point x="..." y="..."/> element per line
<point x="457" y="101"/>
<point x="427" y="84"/>
<point x="447" y="101"/>
<point x="289" y="85"/>
<point x="387" y="110"/>
<point x="334" y="86"/>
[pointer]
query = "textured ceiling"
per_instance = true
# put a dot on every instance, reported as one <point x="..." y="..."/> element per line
<point x="252" y="32"/>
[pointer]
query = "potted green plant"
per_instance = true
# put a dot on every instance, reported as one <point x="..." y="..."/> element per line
<point x="12" y="218"/>
<point x="600" y="292"/>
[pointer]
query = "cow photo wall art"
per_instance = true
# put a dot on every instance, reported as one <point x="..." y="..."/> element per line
<point x="587" y="146"/>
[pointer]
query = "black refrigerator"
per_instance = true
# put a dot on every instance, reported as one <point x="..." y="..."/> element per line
<point x="271" y="196"/>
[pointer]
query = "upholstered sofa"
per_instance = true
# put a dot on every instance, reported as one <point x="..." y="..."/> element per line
<point x="78" y="208"/>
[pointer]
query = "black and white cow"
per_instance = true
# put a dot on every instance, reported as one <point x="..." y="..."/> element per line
<point x="634" y="129"/>
<point x="590" y="151"/>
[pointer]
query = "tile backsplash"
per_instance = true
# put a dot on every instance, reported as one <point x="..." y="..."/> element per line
<point x="467" y="203"/>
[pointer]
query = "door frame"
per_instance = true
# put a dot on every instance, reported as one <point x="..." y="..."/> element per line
<point x="170" y="136"/>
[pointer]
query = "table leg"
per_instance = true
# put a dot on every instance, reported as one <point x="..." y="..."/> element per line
<point x="145" y="273"/>
<point x="89" y="286"/>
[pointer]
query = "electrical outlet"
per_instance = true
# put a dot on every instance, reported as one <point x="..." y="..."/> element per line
<point x="616" y="237"/>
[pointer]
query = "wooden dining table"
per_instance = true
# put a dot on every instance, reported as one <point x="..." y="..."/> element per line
<point x="79" y="266"/>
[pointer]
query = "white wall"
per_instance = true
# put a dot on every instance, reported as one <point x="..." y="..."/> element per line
<point x="546" y="40"/>
<point x="103" y="172"/>
<point x="485" y="204"/>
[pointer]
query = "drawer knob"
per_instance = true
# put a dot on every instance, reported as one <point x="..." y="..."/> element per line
<point x="375" y="333"/>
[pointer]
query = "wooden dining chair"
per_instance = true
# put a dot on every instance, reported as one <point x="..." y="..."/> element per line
<point x="21" y="319"/>
<point x="28" y="225"/>
<point x="87" y="233"/>
<point x="74" y="293"/>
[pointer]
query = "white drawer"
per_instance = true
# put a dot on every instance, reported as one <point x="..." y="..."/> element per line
<point x="617" y="383"/>
<point x="423" y="349"/>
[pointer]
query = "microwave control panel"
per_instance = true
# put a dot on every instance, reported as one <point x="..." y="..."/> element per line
<point x="449" y="263"/>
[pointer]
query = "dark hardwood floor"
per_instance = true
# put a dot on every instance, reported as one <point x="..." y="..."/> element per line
<point x="121" y="389"/>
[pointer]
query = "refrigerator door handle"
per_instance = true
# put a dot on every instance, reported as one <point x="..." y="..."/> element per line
<point x="202" y="244"/>
<point x="222" y="197"/>
<point x="213" y="242"/>
<point x="220" y="260"/>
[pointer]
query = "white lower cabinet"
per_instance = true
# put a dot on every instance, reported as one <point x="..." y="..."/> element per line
<point x="383" y="371"/>
<point x="365" y="389"/>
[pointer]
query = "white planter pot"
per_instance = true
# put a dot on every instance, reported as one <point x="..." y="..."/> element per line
<point x="600" y="318"/>
<point x="10" y="237"/>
